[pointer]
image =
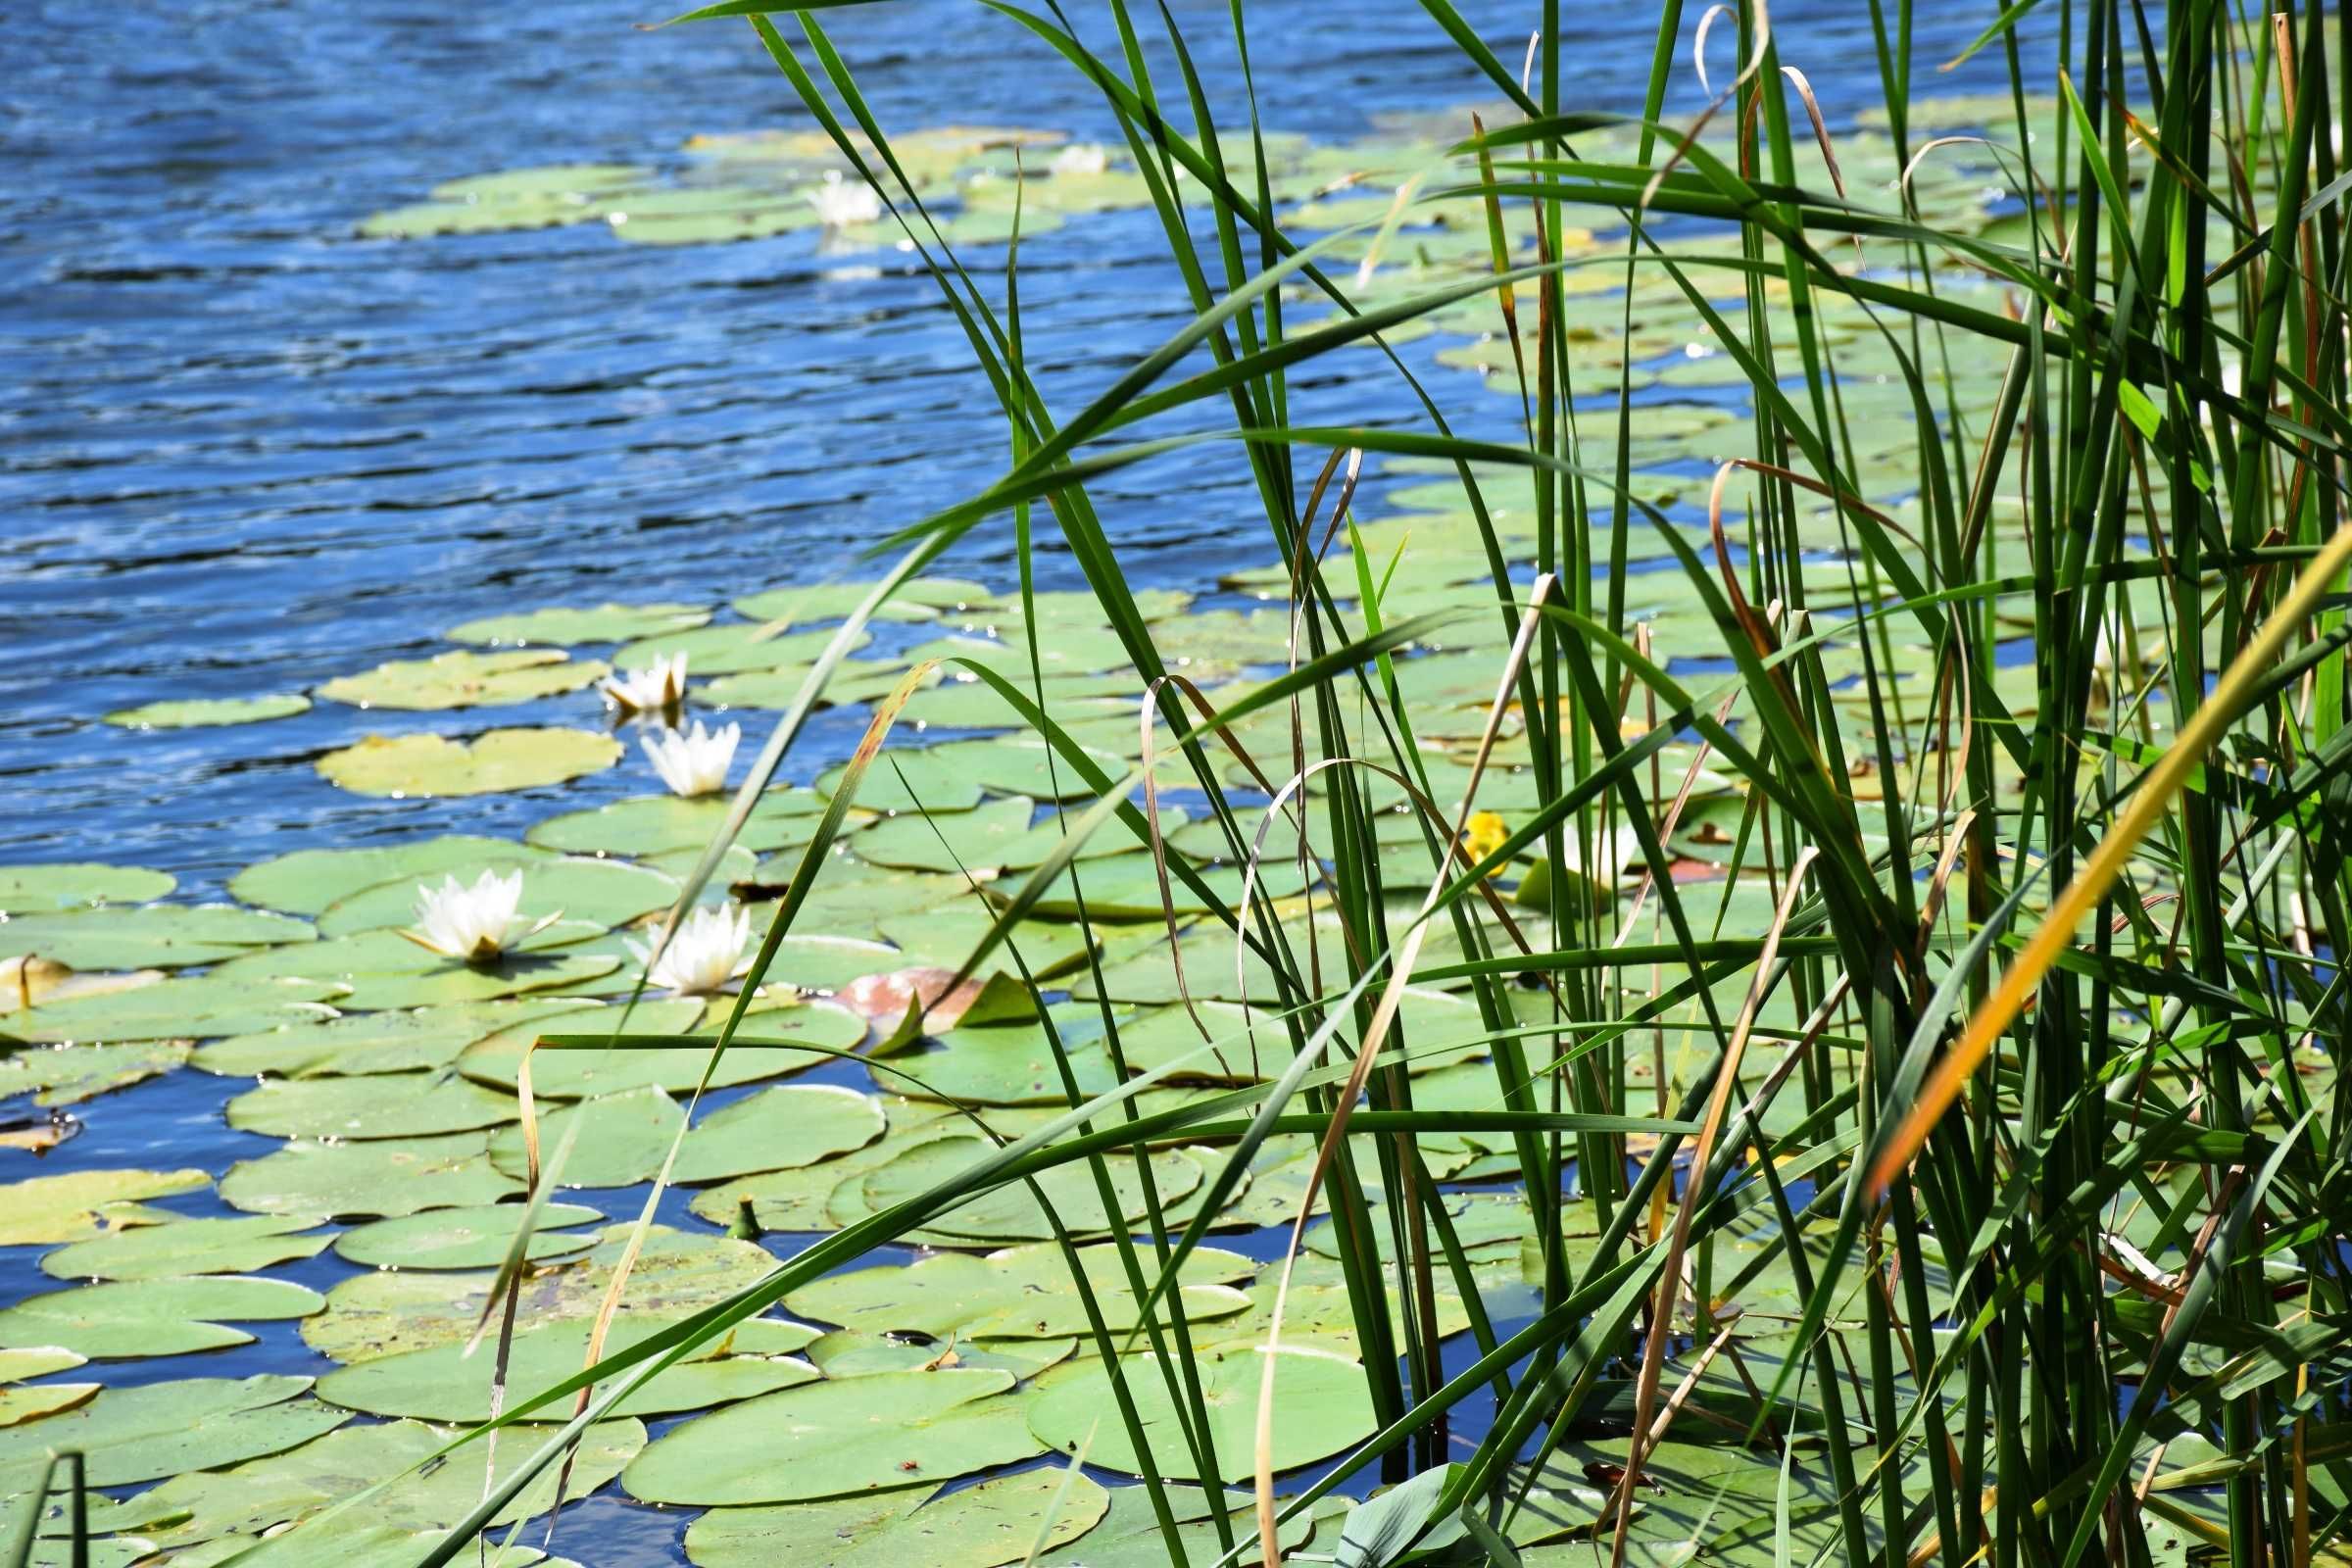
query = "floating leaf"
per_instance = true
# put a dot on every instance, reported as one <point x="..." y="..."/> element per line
<point x="209" y="713"/>
<point x="915" y="599"/>
<point x="911" y="779"/>
<point x="133" y="1318"/>
<point x="465" y="1238"/>
<point x="68" y="1076"/>
<point x="19" y="1405"/>
<point x="622" y="1138"/>
<point x="896" y="1429"/>
<point x="466" y="679"/>
<point x="384" y="1042"/>
<point x="264" y="1494"/>
<point x="77" y="1205"/>
<point x="1010" y="1213"/>
<point x="998" y="1521"/>
<point x="579" y="1074"/>
<point x="971" y="841"/>
<point x="606" y="893"/>
<point x="213" y="1004"/>
<point x="1129" y="1535"/>
<point x="368" y="1179"/>
<point x="159" y="936"/>
<point x="656" y="824"/>
<point x="406" y="1104"/>
<point x="677" y="1272"/>
<point x="1321" y="1406"/>
<point x="72" y="884"/>
<point x="1020" y="1292"/>
<point x="382" y="970"/>
<point x="849" y="1353"/>
<point x="732" y="648"/>
<point x="444" y="1384"/>
<point x="308" y="881"/>
<point x="153" y="1430"/>
<point x="185" y="1247"/>
<point x="426" y="765"/>
<point x="598" y="624"/>
<point x="777" y="1129"/>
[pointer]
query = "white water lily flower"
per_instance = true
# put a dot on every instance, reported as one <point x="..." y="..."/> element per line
<point x="1080" y="158"/>
<point x="693" y="761"/>
<point x="704" y="955"/>
<point x="474" y="923"/>
<point x="655" y="689"/>
<point x="840" y="202"/>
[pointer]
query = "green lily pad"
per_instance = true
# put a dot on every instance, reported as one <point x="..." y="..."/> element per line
<point x="596" y="623"/>
<point x="286" y="1489"/>
<point x="777" y="1129"/>
<point x="384" y="1042"/>
<point x="580" y="1074"/>
<point x="20" y="1406"/>
<point x="309" y="881"/>
<point x="909" y="779"/>
<point x="851" y="681"/>
<point x="466" y="1238"/>
<point x="466" y="679"/>
<point x="656" y="824"/>
<point x="827" y="963"/>
<point x="896" y="1429"/>
<point x="181" y="1247"/>
<point x="444" y="1384"/>
<point x="606" y="893"/>
<point x="849" y="1353"/>
<point x="17" y="1365"/>
<point x="1129" y="1535"/>
<point x="403" y="1104"/>
<point x="971" y="841"/>
<point x="154" y="936"/>
<point x="947" y="937"/>
<point x="130" y="1318"/>
<point x="1010" y="1213"/>
<point x="368" y="1180"/>
<point x="75" y="1205"/>
<point x="998" y="1521"/>
<point x="154" y="1430"/>
<point x="915" y="599"/>
<point x="732" y="649"/>
<point x="622" y="1138"/>
<point x="1320" y="1408"/>
<point x="1012" y="1063"/>
<point x="1020" y="1292"/>
<point x="677" y="1272"/>
<point x="68" y="1076"/>
<point x="75" y="884"/>
<point x="382" y="970"/>
<point x="1023" y="765"/>
<point x="421" y="767"/>
<point x="209" y="713"/>
<point x="213" y="1004"/>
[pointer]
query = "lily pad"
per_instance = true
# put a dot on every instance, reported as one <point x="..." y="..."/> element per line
<point x="1010" y="1213"/>
<point x="68" y="1076"/>
<point x="154" y="936"/>
<point x="606" y="893"/>
<point x="849" y="1353"/>
<point x="596" y="623"/>
<point x="909" y="779"/>
<point x="1020" y="1292"/>
<point x="153" y="1430"/>
<point x="17" y="1365"/>
<point x="732" y="648"/>
<point x="19" y="1405"/>
<point x="1320" y="1408"/>
<point x="384" y="1042"/>
<point x="656" y="824"/>
<point x="915" y="599"/>
<point x="308" y="881"/>
<point x="422" y="766"/>
<point x="382" y="970"/>
<point x="998" y="1521"/>
<point x="777" y="1129"/>
<point x="579" y="1074"/>
<point x="622" y="1138"/>
<point x="209" y="713"/>
<point x="130" y="1318"/>
<point x="74" y="884"/>
<point x="466" y="679"/>
<point x="444" y="1384"/>
<point x="896" y="1429"/>
<point x="286" y="1489"/>
<point x="677" y="1272"/>
<point x="466" y="1238"/>
<point x="75" y="1205"/>
<point x="185" y="1246"/>
<point x="958" y="841"/>
<point x="368" y="1180"/>
<point x="403" y="1104"/>
<point x="204" y="1004"/>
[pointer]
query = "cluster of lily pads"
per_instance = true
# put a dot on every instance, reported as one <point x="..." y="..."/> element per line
<point x="378" y="1005"/>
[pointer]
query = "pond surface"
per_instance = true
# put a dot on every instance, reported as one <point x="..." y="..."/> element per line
<point x="247" y="451"/>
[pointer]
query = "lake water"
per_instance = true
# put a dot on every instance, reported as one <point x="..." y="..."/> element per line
<point x="243" y="450"/>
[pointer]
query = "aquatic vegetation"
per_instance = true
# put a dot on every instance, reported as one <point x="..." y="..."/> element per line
<point x="1705" y="978"/>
